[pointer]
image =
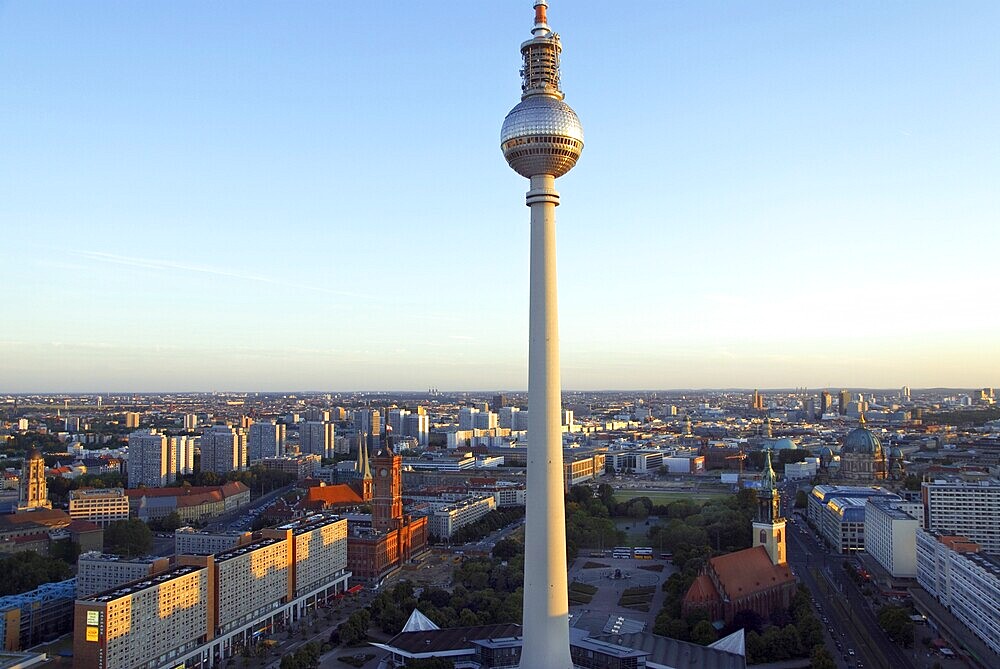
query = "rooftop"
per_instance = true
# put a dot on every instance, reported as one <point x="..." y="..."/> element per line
<point x="243" y="550"/>
<point x="142" y="584"/>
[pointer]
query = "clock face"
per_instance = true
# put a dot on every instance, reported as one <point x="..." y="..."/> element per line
<point x="384" y="472"/>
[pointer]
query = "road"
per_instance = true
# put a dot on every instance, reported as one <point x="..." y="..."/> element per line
<point x="841" y="604"/>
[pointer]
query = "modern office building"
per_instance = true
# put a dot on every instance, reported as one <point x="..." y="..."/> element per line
<point x="148" y="459"/>
<point x="967" y="508"/>
<point x="34" y="617"/>
<point x="99" y="505"/>
<point x="266" y="439"/>
<point x="838" y="512"/>
<point x="97" y="572"/>
<point x="317" y="438"/>
<point x="209" y="607"/>
<point x="446" y="520"/>
<point x="417" y="425"/>
<point x="223" y="450"/>
<point x="964" y="579"/>
<point x="890" y="537"/>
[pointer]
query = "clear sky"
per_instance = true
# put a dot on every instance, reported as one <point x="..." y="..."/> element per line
<point x="311" y="195"/>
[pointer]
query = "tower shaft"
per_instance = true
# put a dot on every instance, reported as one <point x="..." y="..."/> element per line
<point x="546" y="598"/>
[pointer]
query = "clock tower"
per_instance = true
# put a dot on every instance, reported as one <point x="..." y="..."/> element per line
<point x="387" y="500"/>
<point x="769" y="526"/>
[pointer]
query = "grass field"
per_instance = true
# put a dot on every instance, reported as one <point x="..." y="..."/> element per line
<point x="666" y="496"/>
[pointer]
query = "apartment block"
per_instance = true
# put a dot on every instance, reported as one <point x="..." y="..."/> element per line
<point x="99" y="505"/>
<point x="223" y="450"/>
<point x="97" y="572"/>
<point x="266" y="440"/>
<point x="446" y="520"/>
<point x="148" y="460"/>
<point x="209" y="607"/>
<point x="317" y="438"/>
<point x="965" y="580"/>
<point x="145" y="624"/>
<point x="202" y="542"/>
<point x="967" y="508"/>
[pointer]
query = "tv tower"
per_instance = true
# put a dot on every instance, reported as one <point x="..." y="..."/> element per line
<point x="541" y="139"/>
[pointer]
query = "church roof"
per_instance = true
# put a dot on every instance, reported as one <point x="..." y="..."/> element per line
<point x="702" y="591"/>
<point x="333" y="495"/>
<point x="748" y="571"/>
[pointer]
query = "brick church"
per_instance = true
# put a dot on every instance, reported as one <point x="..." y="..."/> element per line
<point x="758" y="578"/>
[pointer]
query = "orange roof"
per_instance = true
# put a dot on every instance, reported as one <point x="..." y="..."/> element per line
<point x="226" y="490"/>
<point x="747" y="571"/>
<point x="702" y="591"/>
<point x="333" y="495"/>
<point x="199" y="498"/>
<point x="959" y="544"/>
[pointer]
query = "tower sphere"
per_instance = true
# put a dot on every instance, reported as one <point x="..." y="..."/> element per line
<point x="541" y="135"/>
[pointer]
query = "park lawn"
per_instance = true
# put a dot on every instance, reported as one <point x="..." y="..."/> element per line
<point x="662" y="497"/>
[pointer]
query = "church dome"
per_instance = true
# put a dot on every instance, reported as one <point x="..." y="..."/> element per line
<point x="861" y="441"/>
<point x="784" y="444"/>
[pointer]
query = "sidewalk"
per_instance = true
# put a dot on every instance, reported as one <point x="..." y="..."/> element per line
<point x="949" y="626"/>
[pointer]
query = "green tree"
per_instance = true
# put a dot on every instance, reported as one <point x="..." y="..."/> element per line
<point x="703" y="633"/>
<point x="128" y="537"/>
<point x="821" y="658"/>
<point x="507" y="548"/>
<point x="26" y="571"/>
<point x="801" y="500"/>
<point x="895" y="620"/>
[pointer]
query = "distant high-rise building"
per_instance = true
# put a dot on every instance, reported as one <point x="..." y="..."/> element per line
<point x="467" y="418"/>
<point x="368" y="422"/>
<point x="506" y="417"/>
<point x="148" y="460"/>
<point x="845" y="402"/>
<point x="318" y="438"/>
<point x="265" y="440"/>
<point x="809" y="408"/>
<point x="825" y="402"/>
<point x="904" y="394"/>
<point x="190" y="422"/>
<point x="395" y="420"/>
<point x="181" y="450"/>
<point x="317" y="414"/>
<point x="757" y="404"/>
<point x="33" y="489"/>
<point x="485" y="420"/>
<point x="567" y="418"/>
<point x="499" y="401"/>
<point x="223" y="450"/>
<point x="131" y="420"/>
<point x="417" y="425"/>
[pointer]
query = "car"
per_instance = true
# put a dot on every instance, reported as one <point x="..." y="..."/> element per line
<point x="850" y="651"/>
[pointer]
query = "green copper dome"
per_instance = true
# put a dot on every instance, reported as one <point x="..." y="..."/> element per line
<point x="860" y="440"/>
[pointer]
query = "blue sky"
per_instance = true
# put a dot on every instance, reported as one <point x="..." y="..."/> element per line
<point x="311" y="195"/>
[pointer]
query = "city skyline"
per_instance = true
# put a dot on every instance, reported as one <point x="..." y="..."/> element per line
<point x="263" y="199"/>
